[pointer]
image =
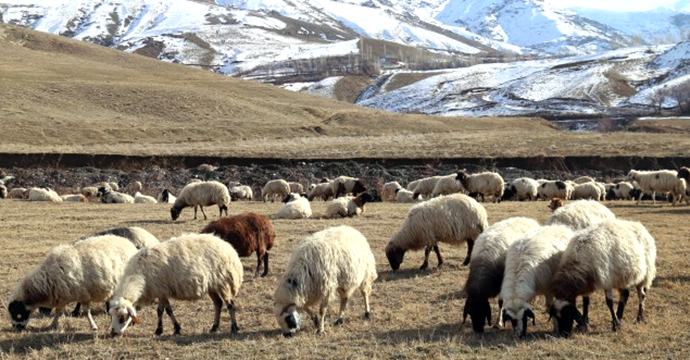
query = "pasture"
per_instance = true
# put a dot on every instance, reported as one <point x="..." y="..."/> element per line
<point x="416" y="314"/>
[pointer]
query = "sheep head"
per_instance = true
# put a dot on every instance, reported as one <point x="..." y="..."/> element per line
<point x="19" y="314"/>
<point x="518" y="312"/>
<point x="395" y="256"/>
<point x="563" y="314"/>
<point x="556" y="203"/>
<point x="478" y="310"/>
<point x="358" y="188"/>
<point x="122" y="314"/>
<point x="175" y="212"/>
<point x="288" y="319"/>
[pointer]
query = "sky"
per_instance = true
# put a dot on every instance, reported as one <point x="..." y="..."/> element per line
<point x="618" y="5"/>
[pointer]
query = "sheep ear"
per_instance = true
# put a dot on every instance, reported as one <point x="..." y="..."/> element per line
<point x="133" y="314"/>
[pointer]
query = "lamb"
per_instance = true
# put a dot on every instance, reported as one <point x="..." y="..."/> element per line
<point x="18" y="193"/>
<point x="201" y="194"/>
<point x="109" y="196"/>
<point x="614" y="254"/>
<point x="348" y="206"/>
<point x="322" y="190"/>
<point x="333" y="262"/>
<point x="184" y="268"/>
<point x="275" y="187"/>
<point x="555" y="189"/>
<point x="451" y="219"/>
<point x="74" y="198"/>
<point x="651" y="182"/>
<point x="43" y="194"/>
<point x="425" y="187"/>
<point x="589" y="191"/>
<point x="404" y="196"/>
<point x="139" y="198"/>
<point x="524" y="188"/>
<point x="241" y="192"/>
<point x="531" y="262"/>
<point x="486" y="183"/>
<point x="487" y="267"/>
<point x="343" y="185"/>
<point x="388" y="192"/>
<point x="166" y="197"/>
<point x="447" y="185"/>
<point x="297" y="207"/>
<point x="85" y="272"/>
<point x="247" y="233"/>
<point x="621" y="190"/>
<point x="580" y="214"/>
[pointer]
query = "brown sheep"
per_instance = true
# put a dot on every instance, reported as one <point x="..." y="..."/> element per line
<point x="556" y="203"/>
<point x="246" y="232"/>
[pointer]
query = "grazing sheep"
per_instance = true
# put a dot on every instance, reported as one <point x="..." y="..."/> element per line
<point x="612" y="255"/>
<point x="487" y="267"/>
<point x="84" y="272"/>
<point x="580" y="214"/>
<point x="109" y="196"/>
<point x="241" y="192"/>
<point x="43" y="194"/>
<point x="333" y="262"/>
<point x="74" y="198"/>
<point x="206" y="168"/>
<point x="556" y="203"/>
<point x="404" y="196"/>
<point x="524" y="188"/>
<point x="583" y="179"/>
<point x="413" y="184"/>
<point x="296" y="207"/>
<point x="651" y="182"/>
<point x="531" y="262"/>
<point x="184" y="268"/>
<point x="322" y="190"/>
<point x="247" y="233"/>
<point x="348" y="206"/>
<point x="202" y="194"/>
<point x="679" y="192"/>
<point x="452" y="219"/>
<point x="555" y="189"/>
<point x="3" y="191"/>
<point x="344" y="185"/>
<point x="18" y="193"/>
<point x="602" y="190"/>
<point x="447" y="185"/>
<point x="622" y="190"/>
<point x="388" y="191"/>
<point x="486" y="184"/>
<point x="166" y="197"/>
<point x="296" y="188"/>
<point x="588" y="191"/>
<point x="139" y="198"/>
<point x="425" y="187"/>
<point x="272" y="188"/>
<point x="134" y="187"/>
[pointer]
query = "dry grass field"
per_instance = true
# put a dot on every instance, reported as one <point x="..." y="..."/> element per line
<point x="416" y="313"/>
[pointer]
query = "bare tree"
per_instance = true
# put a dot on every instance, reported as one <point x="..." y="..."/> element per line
<point x="681" y="94"/>
<point x="658" y="98"/>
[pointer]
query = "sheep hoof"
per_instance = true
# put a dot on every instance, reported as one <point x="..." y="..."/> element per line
<point x="234" y="329"/>
<point x="159" y="331"/>
<point x="615" y="327"/>
<point x="424" y="266"/>
<point x="338" y="322"/>
<point x="319" y="332"/>
<point x="367" y="315"/>
<point x="214" y="328"/>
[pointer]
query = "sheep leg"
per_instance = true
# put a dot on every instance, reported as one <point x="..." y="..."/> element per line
<point x="203" y="212"/>
<point x="341" y="312"/>
<point x="615" y="323"/>
<point x="169" y="311"/>
<point x="639" y="198"/>
<point x="56" y="318"/>
<point x="623" y="294"/>
<point x="365" y="293"/>
<point x="77" y="310"/>
<point x="87" y="309"/>
<point x="265" y="264"/>
<point x="499" y="322"/>
<point x="159" y="311"/>
<point x="322" y="316"/>
<point x="653" y="197"/>
<point x="313" y="317"/>
<point x="425" y="264"/>
<point x="438" y="256"/>
<point x="584" y="323"/>
<point x="470" y="246"/>
<point x="641" y="295"/>
<point x="233" y="316"/>
<point x="218" y="306"/>
<point x="195" y="211"/>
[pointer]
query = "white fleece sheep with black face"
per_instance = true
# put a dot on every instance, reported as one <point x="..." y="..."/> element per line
<point x="612" y="255"/>
<point x="297" y="207"/>
<point x="523" y="188"/>
<point x="109" y="196"/>
<point x="550" y="189"/>
<point x="331" y="263"/>
<point x="662" y="181"/>
<point x="484" y="183"/>
<point x="580" y="214"/>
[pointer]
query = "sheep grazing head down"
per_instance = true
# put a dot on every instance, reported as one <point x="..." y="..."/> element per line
<point x="175" y="213"/>
<point x="395" y="257"/>
<point x="19" y="314"/>
<point x="288" y="319"/>
<point x="563" y="314"/>
<point x="478" y="310"/>
<point x="122" y="314"/>
<point x="518" y="312"/>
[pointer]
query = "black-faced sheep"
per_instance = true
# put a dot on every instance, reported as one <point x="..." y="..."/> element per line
<point x="109" y="196"/>
<point x="523" y="188"/>
<point x="555" y="189"/>
<point x="344" y="185"/>
<point x="612" y="255"/>
<point x="247" y="233"/>
<point x="348" y="206"/>
<point x="622" y="190"/>
<point x="662" y="181"/>
<point x="184" y="268"/>
<point x="166" y="197"/>
<point x="273" y="188"/>
<point x="447" y="185"/>
<point x="486" y="184"/>
<point x="487" y="267"/>
<point x="241" y="192"/>
<point x="201" y="194"/>
<point x="452" y="219"/>
<point x="334" y="262"/>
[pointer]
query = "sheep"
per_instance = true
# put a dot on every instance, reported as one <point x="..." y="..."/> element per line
<point x="580" y="214"/>
<point x="139" y="198"/>
<point x="651" y="182"/>
<point x="3" y="191"/>
<point x="296" y="188"/>
<point x="348" y="206"/>
<point x="18" y="193"/>
<point x="621" y="190"/>
<point x="588" y="190"/>
<point x="335" y="261"/>
<point x="241" y="192"/>
<point x="684" y="173"/>
<point x="43" y="194"/>
<point x="524" y="188"/>
<point x="74" y="198"/>
<point x="413" y="184"/>
<point x="452" y="219"/>
<point x="184" y="268"/>
<point x="614" y="254"/>
<point x="201" y="194"/>
<point x="297" y="207"/>
<point x="166" y="197"/>
<point x="206" y="168"/>
<point x="679" y="192"/>
<point x="90" y="192"/>
<point x="602" y="190"/>
<point x="486" y="183"/>
<point x="404" y="196"/>
<point x="247" y="233"/>
<point x="531" y="262"/>
<point x="425" y="187"/>
<point x="388" y="192"/>
<point x="583" y="179"/>
<point x="134" y="187"/>
<point x="550" y="189"/>
<point x="487" y="266"/>
<point x="447" y="185"/>
<point x="556" y="203"/>
<point x="85" y="272"/>
<point x="275" y="187"/>
<point x="322" y="190"/>
<point x="109" y="196"/>
<point x="343" y="185"/>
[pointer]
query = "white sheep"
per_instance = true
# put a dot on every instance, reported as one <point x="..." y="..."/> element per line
<point x="531" y="262"/>
<point x="580" y="214"/>
<point x="550" y="189"/>
<point x="583" y="179"/>
<point x="348" y="206"/>
<point x="109" y="196"/>
<point x="452" y="219"/>
<point x="296" y="188"/>
<point x="166" y="197"/>
<point x="323" y="190"/>
<point x="18" y="193"/>
<point x="91" y="192"/>
<point x="404" y="196"/>
<point x="425" y="187"/>
<point x="140" y="198"/>
<point x="134" y="187"/>
<point x="485" y="184"/>
<point x="622" y="190"/>
<point x="344" y="185"/>
<point x="74" y="198"/>
<point x="43" y="194"/>
<point x="487" y="267"/>
<point x="184" y="268"/>
<point x="413" y="184"/>
<point x="588" y="191"/>
<point x="297" y="207"/>
<point x="85" y="272"/>
<point x="524" y="188"/>
<point x="241" y="192"/>
<point x="651" y="182"/>
<point x="275" y="187"/>
<point x="333" y="262"/>
<point x="201" y="194"/>
<point x="447" y="185"/>
<point x="612" y="255"/>
<point x="388" y="190"/>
